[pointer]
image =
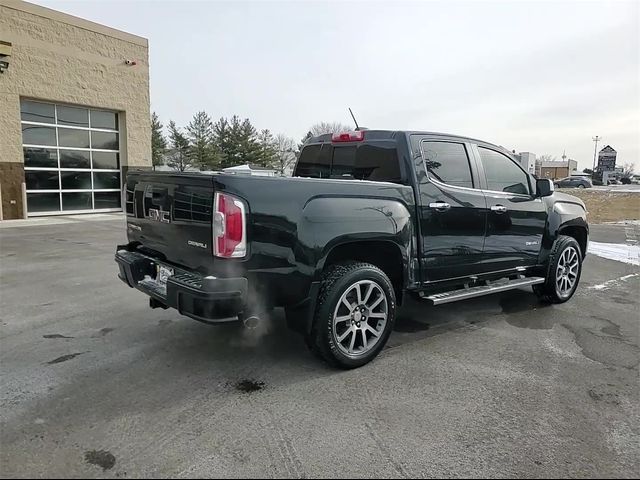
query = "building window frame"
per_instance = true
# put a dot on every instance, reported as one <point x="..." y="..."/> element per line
<point x="60" y="170"/>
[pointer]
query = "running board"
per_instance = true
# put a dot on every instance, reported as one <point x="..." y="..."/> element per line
<point x="465" y="293"/>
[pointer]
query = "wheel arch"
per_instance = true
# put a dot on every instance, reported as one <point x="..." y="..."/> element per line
<point x="579" y="233"/>
<point x="387" y="255"/>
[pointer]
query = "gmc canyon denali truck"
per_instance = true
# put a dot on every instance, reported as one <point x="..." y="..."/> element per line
<point x="369" y="217"/>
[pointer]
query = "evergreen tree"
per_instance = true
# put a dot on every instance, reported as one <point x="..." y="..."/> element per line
<point x="302" y="142"/>
<point x="247" y="138"/>
<point x="268" y="149"/>
<point x="222" y="136"/>
<point x="179" y="158"/>
<point x="158" y="142"/>
<point x="236" y="141"/>
<point x="202" y="149"/>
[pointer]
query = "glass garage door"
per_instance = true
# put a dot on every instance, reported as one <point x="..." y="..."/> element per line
<point x="71" y="158"/>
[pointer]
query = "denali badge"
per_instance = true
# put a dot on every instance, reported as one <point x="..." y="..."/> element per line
<point x="197" y="244"/>
<point x="159" y="215"/>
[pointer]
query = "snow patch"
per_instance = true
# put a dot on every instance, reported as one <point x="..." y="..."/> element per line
<point x="624" y="222"/>
<point x="619" y="252"/>
<point x="612" y="283"/>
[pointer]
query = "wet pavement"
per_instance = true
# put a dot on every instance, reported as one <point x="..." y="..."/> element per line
<point x="95" y="384"/>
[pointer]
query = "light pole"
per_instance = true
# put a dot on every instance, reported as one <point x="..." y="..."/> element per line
<point x="596" y="139"/>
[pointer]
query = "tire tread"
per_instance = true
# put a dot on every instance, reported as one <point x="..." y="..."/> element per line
<point x="547" y="290"/>
<point x="330" y="276"/>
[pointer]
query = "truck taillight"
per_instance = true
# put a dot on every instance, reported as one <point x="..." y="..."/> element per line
<point x="356" y="136"/>
<point x="229" y="227"/>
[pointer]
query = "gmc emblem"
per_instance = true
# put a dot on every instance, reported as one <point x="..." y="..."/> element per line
<point x="159" y="215"/>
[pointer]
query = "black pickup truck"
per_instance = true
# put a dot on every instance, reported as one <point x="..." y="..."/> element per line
<point x="369" y="217"/>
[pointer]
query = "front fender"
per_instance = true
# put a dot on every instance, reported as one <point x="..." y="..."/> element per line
<point x="565" y="212"/>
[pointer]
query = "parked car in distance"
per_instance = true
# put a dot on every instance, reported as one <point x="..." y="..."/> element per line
<point x="573" y="182"/>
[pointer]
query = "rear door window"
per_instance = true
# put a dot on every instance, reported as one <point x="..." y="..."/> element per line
<point x="447" y="162"/>
<point x="366" y="162"/>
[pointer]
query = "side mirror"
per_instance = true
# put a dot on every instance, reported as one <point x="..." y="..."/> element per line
<point x="544" y="187"/>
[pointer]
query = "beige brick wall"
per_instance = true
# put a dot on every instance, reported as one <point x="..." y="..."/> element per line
<point x="60" y="58"/>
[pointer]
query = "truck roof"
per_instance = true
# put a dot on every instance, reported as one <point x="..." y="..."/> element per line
<point x="393" y="134"/>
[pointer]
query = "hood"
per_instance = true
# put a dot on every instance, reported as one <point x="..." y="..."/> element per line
<point x="566" y="198"/>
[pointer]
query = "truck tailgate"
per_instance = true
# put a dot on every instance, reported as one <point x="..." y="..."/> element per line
<point x="171" y="215"/>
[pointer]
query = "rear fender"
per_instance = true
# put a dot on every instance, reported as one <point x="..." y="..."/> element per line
<point x="357" y="220"/>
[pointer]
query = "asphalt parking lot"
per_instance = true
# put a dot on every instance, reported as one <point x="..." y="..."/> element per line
<point x="96" y="384"/>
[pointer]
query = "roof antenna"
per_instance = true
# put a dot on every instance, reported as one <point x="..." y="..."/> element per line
<point x="354" y="119"/>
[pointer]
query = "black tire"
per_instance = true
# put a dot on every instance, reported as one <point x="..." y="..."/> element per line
<point x="338" y="280"/>
<point x="580" y="186"/>
<point x="549" y="291"/>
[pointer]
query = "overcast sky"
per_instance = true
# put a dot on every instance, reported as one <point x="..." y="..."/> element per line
<point x="531" y="76"/>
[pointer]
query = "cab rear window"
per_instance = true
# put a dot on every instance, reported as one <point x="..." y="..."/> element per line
<point x="361" y="162"/>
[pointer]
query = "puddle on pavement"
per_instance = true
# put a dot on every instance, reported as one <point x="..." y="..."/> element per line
<point x="64" y="358"/>
<point x="613" y="330"/>
<point x="623" y="300"/>
<point x="531" y="323"/>
<point x="608" y="350"/>
<point x="100" y="458"/>
<point x="248" y="386"/>
<point x="410" y="325"/>
<point x="103" y="332"/>
<point x="605" y="393"/>
<point x="518" y="301"/>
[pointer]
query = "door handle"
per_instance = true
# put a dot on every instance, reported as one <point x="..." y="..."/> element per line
<point x="440" y="206"/>
<point x="499" y="209"/>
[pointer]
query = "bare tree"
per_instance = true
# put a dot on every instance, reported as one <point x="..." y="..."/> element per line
<point x="627" y="170"/>
<point x="285" y="153"/>
<point x="547" y="158"/>
<point x="322" y="128"/>
<point x="329" y="127"/>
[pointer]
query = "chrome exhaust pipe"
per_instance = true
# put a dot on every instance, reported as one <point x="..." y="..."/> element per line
<point x="251" y="322"/>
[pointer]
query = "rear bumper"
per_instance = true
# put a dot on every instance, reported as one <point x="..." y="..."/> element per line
<point x="205" y="298"/>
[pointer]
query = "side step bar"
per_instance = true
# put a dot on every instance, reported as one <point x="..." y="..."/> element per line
<point x="465" y="293"/>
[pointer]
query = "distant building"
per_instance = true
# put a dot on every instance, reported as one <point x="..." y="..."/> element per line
<point x="527" y="160"/>
<point x="556" y="169"/>
<point x="606" y="160"/>
<point x="251" y="170"/>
